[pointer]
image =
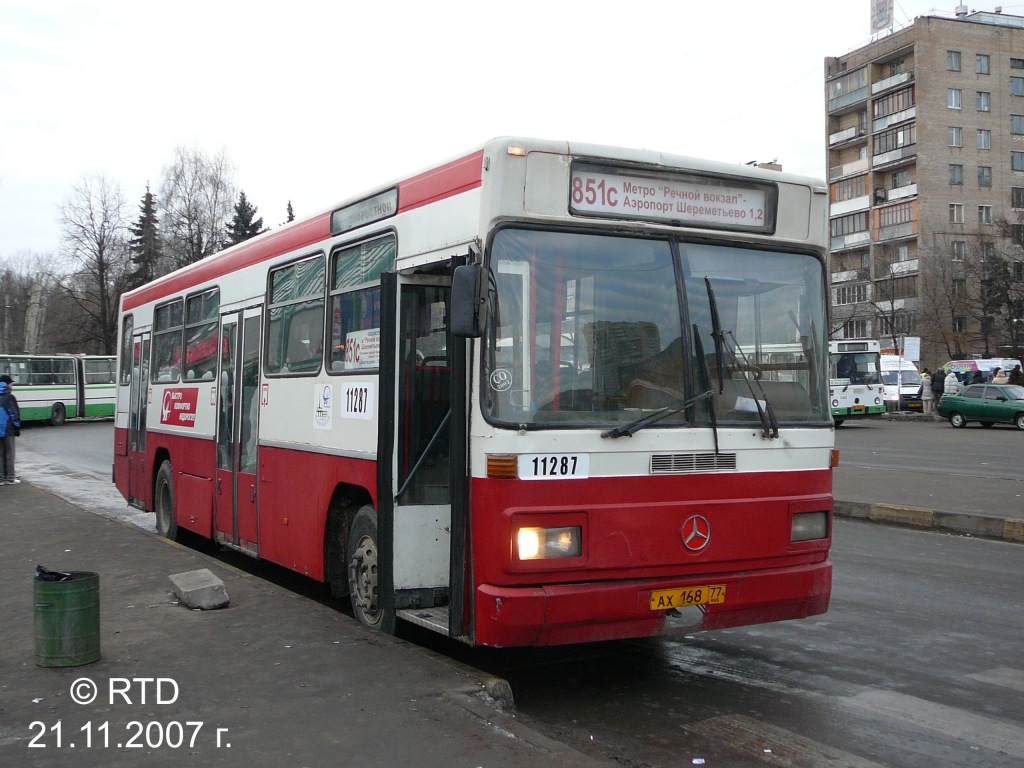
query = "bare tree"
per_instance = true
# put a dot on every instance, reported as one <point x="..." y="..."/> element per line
<point x="196" y="201"/>
<point x="94" y="236"/>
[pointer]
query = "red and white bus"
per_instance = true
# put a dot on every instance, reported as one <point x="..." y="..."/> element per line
<point x="519" y="398"/>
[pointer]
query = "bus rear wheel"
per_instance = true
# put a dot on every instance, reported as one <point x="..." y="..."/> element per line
<point x="363" y="573"/>
<point x="163" y="502"/>
<point x="58" y="414"/>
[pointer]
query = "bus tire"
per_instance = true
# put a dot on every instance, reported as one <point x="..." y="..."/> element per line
<point x="363" y="575"/>
<point x="839" y="422"/>
<point x="58" y="414"/>
<point x="163" y="502"/>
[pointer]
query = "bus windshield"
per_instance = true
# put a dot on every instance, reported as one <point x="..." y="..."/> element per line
<point x="588" y="330"/>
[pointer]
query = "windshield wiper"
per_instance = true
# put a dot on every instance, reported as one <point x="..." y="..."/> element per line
<point x="765" y="414"/>
<point x="705" y="381"/>
<point x="658" y="415"/>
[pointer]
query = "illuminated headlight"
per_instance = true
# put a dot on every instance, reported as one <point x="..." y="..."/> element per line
<point x="544" y="543"/>
<point x="809" y="525"/>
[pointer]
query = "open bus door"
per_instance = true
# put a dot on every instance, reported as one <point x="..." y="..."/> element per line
<point x="138" y="393"/>
<point x="237" y="500"/>
<point x="422" y="455"/>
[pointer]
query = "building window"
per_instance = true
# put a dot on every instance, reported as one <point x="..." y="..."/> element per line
<point x="846" y="225"/>
<point x="984" y="138"/>
<point x="956" y="213"/>
<point x="982" y="63"/>
<point x="984" y="214"/>
<point x="959" y="324"/>
<point x="1018" y="271"/>
<point x="1017" y="234"/>
<point x="848" y="83"/>
<point x="1017" y="125"/>
<point x="1017" y="161"/>
<point x="953" y="61"/>
<point x="895" y="138"/>
<point x="904" y="287"/>
<point x="1017" y="197"/>
<point x="956" y="136"/>
<point x="856" y="329"/>
<point x="984" y="175"/>
<point x="959" y="249"/>
<point x="849" y="189"/>
<point x="900" y="178"/>
<point x="1016" y="63"/>
<point x="953" y="98"/>
<point x="890" y="104"/>
<point x="902" y="323"/>
<point x="959" y="286"/>
<point x="1017" y="86"/>
<point x="987" y="252"/>
<point x="984" y="101"/>
<point x="849" y="294"/>
<point x="896" y="214"/>
<point x="956" y="174"/>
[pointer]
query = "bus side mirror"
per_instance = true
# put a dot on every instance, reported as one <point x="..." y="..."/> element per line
<point x="468" y="303"/>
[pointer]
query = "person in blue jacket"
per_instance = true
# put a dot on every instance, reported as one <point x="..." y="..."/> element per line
<point x="10" y="428"/>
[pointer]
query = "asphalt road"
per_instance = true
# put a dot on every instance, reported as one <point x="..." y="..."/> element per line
<point x="917" y="664"/>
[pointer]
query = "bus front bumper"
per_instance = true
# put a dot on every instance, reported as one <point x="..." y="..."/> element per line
<point x="576" y="613"/>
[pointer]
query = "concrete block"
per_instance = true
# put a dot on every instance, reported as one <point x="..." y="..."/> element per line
<point x="199" y="589"/>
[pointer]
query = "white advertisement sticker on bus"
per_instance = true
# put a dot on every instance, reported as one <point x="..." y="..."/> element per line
<point x="179" y="407"/>
<point x="322" y="411"/>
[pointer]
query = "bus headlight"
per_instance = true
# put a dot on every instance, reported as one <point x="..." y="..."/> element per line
<point x="544" y="543"/>
<point x="809" y="525"/>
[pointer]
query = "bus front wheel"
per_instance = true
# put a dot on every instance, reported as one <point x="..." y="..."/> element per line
<point x="58" y="414"/>
<point x="163" y="502"/>
<point x="363" y="573"/>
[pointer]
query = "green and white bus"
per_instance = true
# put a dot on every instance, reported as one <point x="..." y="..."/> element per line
<point x="57" y="387"/>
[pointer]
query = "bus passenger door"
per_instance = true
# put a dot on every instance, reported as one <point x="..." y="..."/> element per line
<point x="237" y="523"/>
<point x="138" y="489"/>
<point x="414" y="456"/>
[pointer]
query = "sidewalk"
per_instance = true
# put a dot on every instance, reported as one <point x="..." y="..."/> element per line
<point x="294" y="683"/>
<point x="972" y="506"/>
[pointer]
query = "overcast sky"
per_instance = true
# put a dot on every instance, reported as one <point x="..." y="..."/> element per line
<point x="318" y="101"/>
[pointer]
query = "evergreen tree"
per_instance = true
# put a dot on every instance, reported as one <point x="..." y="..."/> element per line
<point x="291" y="213"/>
<point x="244" y="224"/>
<point x="144" y="245"/>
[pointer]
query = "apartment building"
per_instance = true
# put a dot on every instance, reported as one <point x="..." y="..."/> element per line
<point x="925" y="144"/>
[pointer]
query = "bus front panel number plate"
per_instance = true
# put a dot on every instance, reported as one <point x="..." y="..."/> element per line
<point x="666" y="599"/>
<point x="554" y="466"/>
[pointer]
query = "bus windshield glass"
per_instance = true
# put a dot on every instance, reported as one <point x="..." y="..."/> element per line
<point x="590" y="330"/>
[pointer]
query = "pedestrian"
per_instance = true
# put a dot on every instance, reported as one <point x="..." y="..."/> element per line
<point x="951" y="385"/>
<point x="927" y="396"/>
<point x="937" y="385"/>
<point x="10" y="428"/>
<point x="1016" y="376"/>
<point x="998" y="377"/>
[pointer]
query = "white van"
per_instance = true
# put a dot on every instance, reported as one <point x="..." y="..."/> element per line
<point x="902" y="382"/>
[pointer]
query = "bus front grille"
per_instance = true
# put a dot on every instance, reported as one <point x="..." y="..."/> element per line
<point x="682" y="463"/>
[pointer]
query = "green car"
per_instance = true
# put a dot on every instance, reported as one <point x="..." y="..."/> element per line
<point x="987" y="404"/>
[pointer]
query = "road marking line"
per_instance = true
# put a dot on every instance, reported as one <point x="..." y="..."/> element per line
<point x="788" y="750"/>
<point x="1004" y="676"/>
<point x="956" y="723"/>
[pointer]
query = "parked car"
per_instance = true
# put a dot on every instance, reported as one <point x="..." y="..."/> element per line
<point x="987" y="404"/>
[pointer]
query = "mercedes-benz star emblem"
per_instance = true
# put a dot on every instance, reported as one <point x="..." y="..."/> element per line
<point x="696" y="533"/>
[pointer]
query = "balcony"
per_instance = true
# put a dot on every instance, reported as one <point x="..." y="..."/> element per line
<point x="849" y="276"/>
<point x="849" y="206"/>
<point x="849" y="134"/>
<point x="852" y="240"/>
<point x="895" y="156"/>
<point x="902" y="116"/>
<point x="904" y="267"/>
<point x="857" y="166"/>
<point x="892" y="82"/>
<point x="847" y="100"/>
<point x="910" y="190"/>
<point x="894" y="231"/>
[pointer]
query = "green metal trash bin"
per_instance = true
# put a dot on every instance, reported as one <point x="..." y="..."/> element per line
<point x="67" y="620"/>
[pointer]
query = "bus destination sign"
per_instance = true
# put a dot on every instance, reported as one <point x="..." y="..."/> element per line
<point x="367" y="211"/>
<point x="686" y="200"/>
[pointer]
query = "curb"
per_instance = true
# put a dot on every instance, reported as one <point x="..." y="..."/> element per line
<point x="1004" y="529"/>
